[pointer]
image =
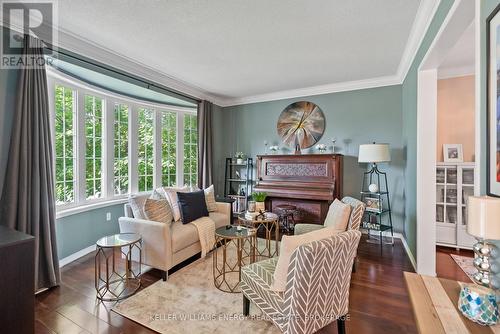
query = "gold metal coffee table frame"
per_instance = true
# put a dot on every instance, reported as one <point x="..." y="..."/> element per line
<point x="245" y="244"/>
<point x="269" y="223"/>
<point x="115" y="286"/>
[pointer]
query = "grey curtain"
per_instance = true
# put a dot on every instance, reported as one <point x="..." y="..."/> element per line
<point x="28" y="203"/>
<point x="205" y="169"/>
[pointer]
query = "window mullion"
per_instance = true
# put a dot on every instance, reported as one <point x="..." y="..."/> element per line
<point x="133" y="152"/>
<point x="80" y="147"/>
<point x="180" y="149"/>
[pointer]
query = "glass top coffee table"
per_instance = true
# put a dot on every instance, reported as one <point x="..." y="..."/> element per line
<point x="234" y="249"/>
<point x="116" y="279"/>
<point x="270" y="224"/>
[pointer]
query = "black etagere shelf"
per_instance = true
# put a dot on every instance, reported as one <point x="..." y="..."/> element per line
<point x="238" y="182"/>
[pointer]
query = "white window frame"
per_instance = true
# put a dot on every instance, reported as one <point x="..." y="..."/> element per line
<point x="109" y="99"/>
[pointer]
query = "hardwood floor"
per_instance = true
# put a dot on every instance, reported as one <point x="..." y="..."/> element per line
<point x="378" y="300"/>
<point x="446" y="267"/>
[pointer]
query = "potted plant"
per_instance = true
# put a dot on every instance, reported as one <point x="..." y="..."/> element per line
<point x="240" y="157"/>
<point x="259" y="198"/>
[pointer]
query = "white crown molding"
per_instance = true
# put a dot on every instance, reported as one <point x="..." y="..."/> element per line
<point x="316" y="90"/>
<point x="448" y="73"/>
<point x="425" y="13"/>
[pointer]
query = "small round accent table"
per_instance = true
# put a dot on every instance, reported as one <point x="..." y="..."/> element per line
<point x="269" y="223"/>
<point x="110" y="284"/>
<point x="244" y="243"/>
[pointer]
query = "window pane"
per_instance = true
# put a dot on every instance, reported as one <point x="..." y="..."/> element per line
<point x="93" y="153"/>
<point x="168" y="148"/>
<point x="64" y="132"/>
<point x="145" y="149"/>
<point x="190" y="150"/>
<point x="120" y="166"/>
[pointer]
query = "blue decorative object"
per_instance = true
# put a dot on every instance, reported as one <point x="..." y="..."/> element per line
<point x="478" y="304"/>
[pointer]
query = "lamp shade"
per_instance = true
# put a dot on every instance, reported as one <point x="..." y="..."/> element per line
<point x="484" y="217"/>
<point x="374" y="153"/>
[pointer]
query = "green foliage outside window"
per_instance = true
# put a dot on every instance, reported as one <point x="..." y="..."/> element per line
<point x="190" y="150"/>
<point x="93" y="152"/>
<point x="168" y="148"/>
<point x="64" y="148"/>
<point x="145" y="149"/>
<point x="120" y="163"/>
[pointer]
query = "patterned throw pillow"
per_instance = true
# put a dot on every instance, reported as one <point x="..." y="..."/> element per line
<point x="158" y="210"/>
<point x="171" y="196"/>
<point x="288" y="245"/>
<point x="210" y="199"/>
<point x="137" y="205"/>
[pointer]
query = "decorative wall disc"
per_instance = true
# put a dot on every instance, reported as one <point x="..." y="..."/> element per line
<point x="301" y="123"/>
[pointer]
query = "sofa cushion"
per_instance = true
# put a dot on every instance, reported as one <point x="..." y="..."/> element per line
<point x="183" y="235"/>
<point x="171" y="194"/>
<point x="338" y="215"/>
<point x="192" y="205"/>
<point x="158" y="210"/>
<point x="210" y="198"/>
<point x="219" y="218"/>
<point x="288" y="246"/>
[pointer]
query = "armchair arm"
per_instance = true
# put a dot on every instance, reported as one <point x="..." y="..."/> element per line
<point x="225" y="208"/>
<point x="156" y="240"/>
<point x="305" y="228"/>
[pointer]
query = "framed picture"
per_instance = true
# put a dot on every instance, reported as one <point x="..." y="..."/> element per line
<point x="453" y="153"/>
<point x="493" y="103"/>
<point x="373" y="204"/>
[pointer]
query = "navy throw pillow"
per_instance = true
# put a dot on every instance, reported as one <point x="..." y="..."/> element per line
<point x="192" y="205"/>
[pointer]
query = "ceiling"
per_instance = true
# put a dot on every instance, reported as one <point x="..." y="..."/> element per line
<point x="460" y="60"/>
<point x="232" y="50"/>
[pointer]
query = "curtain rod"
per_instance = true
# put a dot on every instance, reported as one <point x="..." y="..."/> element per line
<point x="148" y="84"/>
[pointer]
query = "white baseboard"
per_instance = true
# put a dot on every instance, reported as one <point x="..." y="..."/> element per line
<point x="405" y="245"/>
<point x="76" y="256"/>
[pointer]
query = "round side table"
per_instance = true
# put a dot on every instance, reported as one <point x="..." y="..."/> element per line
<point x="244" y="242"/>
<point x="269" y="223"/>
<point x="110" y="285"/>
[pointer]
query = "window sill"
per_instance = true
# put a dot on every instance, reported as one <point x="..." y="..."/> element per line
<point x="69" y="211"/>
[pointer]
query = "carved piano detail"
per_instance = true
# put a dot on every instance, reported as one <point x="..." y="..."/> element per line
<point x="309" y="181"/>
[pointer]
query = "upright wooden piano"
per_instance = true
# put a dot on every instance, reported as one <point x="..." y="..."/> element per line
<point x="309" y="181"/>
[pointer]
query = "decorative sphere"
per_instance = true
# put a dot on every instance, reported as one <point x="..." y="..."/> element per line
<point x="373" y="188"/>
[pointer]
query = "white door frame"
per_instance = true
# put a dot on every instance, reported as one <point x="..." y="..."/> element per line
<point x="459" y="18"/>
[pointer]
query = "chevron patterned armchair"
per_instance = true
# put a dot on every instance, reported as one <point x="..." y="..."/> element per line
<point x="357" y="212"/>
<point x="317" y="288"/>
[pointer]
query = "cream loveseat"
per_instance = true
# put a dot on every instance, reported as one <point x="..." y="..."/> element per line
<point x="166" y="245"/>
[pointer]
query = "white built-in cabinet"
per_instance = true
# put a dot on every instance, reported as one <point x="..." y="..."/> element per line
<point x="454" y="184"/>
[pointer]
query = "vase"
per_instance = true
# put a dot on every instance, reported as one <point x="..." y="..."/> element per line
<point x="479" y="304"/>
<point x="239" y="161"/>
<point x="260" y="206"/>
<point x="251" y="206"/>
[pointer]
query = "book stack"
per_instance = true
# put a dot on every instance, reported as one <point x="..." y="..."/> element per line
<point x="251" y="215"/>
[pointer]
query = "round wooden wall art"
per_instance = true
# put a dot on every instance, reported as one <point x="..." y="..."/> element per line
<point x="301" y="123"/>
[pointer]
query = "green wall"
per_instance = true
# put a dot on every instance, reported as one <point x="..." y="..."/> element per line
<point x="353" y="117"/>
<point x="82" y="230"/>
<point x="409" y="97"/>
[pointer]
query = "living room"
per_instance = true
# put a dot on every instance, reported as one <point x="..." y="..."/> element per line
<point x="231" y="166"/>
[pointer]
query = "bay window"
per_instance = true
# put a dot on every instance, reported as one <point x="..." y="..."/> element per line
<point x="109" y="145"/>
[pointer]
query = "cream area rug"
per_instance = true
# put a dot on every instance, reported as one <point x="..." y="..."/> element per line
<point x="466" y="264"/>
<point x="189" y="302"/>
